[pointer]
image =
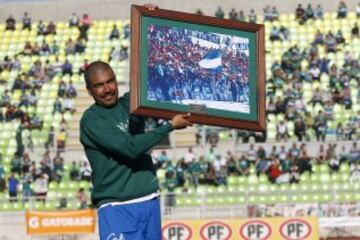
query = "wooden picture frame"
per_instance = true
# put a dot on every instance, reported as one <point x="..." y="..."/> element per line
<point x="209" y="67"/>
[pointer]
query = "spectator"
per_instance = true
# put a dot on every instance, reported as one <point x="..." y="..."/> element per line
<point x="199" y="12"/>
<point x="350" y="128"/>
<point x="284" y="33"/>
<point x="233" y="14"/>
<point x="320" y="125"/>
<point x="74" y="20"/>
<point x="300" y="14"/>
<point x="347" y="97"/>
<point x="26" y="20"/>
<point x="10" y="23"/>
<point x="275" y="34"/>
<point x="71" y="91"/>
<point x="355" y="31"/>
<point x="339" y="37"/>
<point x="57" y="106"/>
<point x="355" y="172"/>
<point x="282" y="131"/>
<point x="67" y="68"/>
<point x="82" y="198"/>
<point x="74" y="172"/>
<point x="2" y="176"/>
<point x="44" y="49"/>
<point x="317" y="97"/>
<point x="358" y="10"/>
<point x="309" y="13"/>
<point x="274" y="14"/>
<point x="194" y="170"/>
<point x="50" y="28"/>
<point x="342" y="10"/>
<point x="86" y="21"/>
<point x="241" y="16"/>
<point x="219" y="13"/>
<point x="340" y="132"/>
<point x="244" y="167"/>
<point x="13" y="186"/>
<point x="163" y="158"/>
<point x="300" y="129"/>
<point x="69" y="47"/>
<point x="318" y="12"/>
<point x="251" y="154"/>
<point x="26" y="186"/>
<point x="58" y="168"/>
<point x="126" y="31"/>
<point x="274" y="171"/>
<point x="60" y="140"/>
<point x="5" y="99"/>
<point x="261" y="166"/>
<point x="79" y="46"/>
<point x="114" y="33"/>
<point x="252" y="16"/>
<point x="85" y="172"/>
<point x="330" y="43"/>
<point x="41" y="28"/>
<point x="16" y="64"/>
<point x="170" y="185"/>
<point x="54" y="48"/>
<point x="267" y="13"/>
<point x="84" y="66"/>
<point x="69" y="104"/>
<point x="41" y="187"/>
<point x="62" y="89"/>
<point x="180" y="172"/>
<point x="319" y="37"/>
<point x="304" y="162"/>
<point x="190" y="156"/>
<point x="85" y="24"/>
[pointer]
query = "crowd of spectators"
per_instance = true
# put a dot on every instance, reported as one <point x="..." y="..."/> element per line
<point x="279" y="165"/>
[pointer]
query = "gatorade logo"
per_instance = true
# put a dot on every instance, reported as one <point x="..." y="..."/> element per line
<point x="295" y="229"/>
<point x="215" y="231"/>
<point x="34" y="222"/>
<point x="176" y="231"/>
<point x="255" y="230"/>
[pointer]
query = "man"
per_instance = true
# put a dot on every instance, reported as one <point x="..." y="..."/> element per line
<point x="125" y="187"/>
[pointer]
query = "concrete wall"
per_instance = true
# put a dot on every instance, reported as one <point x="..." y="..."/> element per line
<point x="58" y="10"/>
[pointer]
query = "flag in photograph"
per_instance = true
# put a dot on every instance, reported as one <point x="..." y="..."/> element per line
<point x="211" y="60"/>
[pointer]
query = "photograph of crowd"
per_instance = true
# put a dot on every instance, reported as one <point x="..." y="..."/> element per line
<point x="186" y="66"/>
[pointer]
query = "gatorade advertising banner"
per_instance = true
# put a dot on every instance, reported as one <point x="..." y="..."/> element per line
<point x="303" y="228"/>
<point x="82" y="221"/>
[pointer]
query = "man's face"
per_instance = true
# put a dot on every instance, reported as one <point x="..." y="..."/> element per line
<point x="103" y="87"/>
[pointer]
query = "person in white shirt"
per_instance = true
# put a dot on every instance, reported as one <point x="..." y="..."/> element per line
<point x="190" y="155"/>
<point x="41" y="187"/>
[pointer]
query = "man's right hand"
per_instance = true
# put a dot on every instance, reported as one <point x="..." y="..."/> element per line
<point x="181" y="121"/>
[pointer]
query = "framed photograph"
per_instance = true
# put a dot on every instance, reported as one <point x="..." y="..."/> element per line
<point x="212" y="68"/>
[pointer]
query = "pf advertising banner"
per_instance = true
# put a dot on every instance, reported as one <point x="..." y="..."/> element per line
<point x="82" y="221"/>
<point x="304" y="228"/>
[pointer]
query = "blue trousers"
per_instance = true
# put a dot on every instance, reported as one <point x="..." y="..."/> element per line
<point x="140" y="221"/>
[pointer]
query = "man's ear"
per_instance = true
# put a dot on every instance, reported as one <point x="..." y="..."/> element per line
<point x="89" y="92"/>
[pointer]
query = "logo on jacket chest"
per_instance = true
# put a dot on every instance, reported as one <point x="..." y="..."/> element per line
<point x="123" y="126"/>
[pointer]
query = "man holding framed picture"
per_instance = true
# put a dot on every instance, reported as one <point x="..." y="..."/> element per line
<point x="125" y="186"/>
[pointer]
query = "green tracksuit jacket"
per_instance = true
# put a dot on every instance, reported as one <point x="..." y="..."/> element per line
<point x="116" y="146"/>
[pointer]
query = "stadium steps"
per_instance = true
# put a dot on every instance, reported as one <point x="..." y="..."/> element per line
<point x="83" y="101"/>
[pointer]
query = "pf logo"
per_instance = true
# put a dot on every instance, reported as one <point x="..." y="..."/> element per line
<point x="215" y="231"/>
<point x="176" y="231"/>
<point x="295" y="229"/>
<point x="255" y="230"/>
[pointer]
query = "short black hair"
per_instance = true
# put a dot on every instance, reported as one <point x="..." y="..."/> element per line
<point x="90" y="70"/>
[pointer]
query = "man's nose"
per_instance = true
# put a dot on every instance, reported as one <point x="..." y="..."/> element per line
<point x="106" y="88"/>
